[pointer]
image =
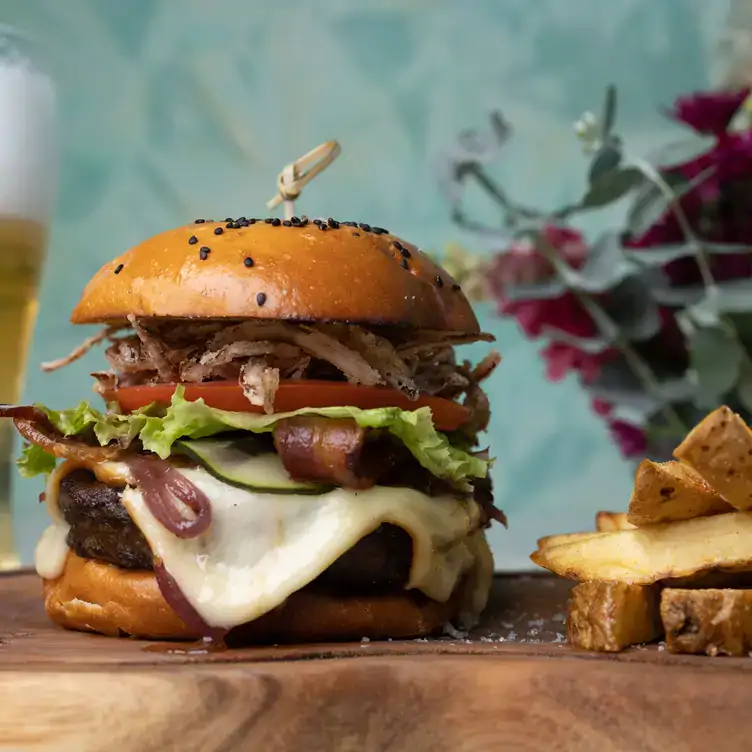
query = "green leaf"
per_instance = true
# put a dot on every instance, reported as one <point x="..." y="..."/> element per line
<point x="732" y="297"/>
<point x="35" y="461"/>
<point x="608" y="119"/>
<point x="606" y="159"/>
<point x="196" y="420"/>
<point x="744" y="384"/>
<point x="611" y="187"/>
<point x="715" y="357"/>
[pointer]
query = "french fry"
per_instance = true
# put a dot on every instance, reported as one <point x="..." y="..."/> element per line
<point x="719" y="448"/>
<point x="610" y="522"/>
<point x="708" y="621"/>
<point x="669" y="491"/>
<point x="549" y="541"/>
<point x="609" y="616"/>
<point x="657" y="552"/>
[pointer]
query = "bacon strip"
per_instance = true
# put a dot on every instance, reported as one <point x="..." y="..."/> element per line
<point x="167" y="493"/>
<point x="36" y="428"/>
<point x="313" y="448"/>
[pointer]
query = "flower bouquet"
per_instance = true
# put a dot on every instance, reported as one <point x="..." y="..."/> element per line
<point x="655" y="318"/>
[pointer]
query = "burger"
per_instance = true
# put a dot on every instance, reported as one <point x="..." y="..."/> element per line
<point x="287" y="445"/>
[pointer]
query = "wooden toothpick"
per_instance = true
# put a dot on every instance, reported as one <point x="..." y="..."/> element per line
<point x="299" y="173"/>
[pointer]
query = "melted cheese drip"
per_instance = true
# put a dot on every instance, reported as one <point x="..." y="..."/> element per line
<point x="261" y="548"/>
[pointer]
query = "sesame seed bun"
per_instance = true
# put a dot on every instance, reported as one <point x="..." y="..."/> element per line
<point x="93" y="596"/>
<point x="299" y="272"/>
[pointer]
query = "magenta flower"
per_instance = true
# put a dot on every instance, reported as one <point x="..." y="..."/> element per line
<point x="708" y="112"/>
<point x="630" y="439"/>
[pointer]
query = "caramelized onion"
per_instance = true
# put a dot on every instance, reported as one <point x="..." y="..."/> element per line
<point x="166" y="492"/>
<point x="181" y="606"/>
<point x="45" y="435"/>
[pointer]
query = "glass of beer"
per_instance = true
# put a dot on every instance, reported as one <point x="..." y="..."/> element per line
<point x="28" y="162"/>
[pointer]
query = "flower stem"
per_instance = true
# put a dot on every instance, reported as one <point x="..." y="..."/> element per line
<point x="701" y="254"/>
<point x="640" y="367"/>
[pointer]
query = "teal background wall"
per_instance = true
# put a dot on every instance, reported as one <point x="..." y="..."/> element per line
<point x="171" y="109"/>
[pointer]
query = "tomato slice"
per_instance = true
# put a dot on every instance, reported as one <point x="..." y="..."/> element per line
<point x="293" y="395"/>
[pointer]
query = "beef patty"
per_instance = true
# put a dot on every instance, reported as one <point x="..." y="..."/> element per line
<point x="101" y="528"/>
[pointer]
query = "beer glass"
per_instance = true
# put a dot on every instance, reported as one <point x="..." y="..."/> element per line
<point x="28" y="160"/>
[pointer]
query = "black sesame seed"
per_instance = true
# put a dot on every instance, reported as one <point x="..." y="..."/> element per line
<point x="230" y="225"/>
<point x="248" y="261"/>
<point x="349" y="224"/>
<point x="276" y="222"/>
<point x="365" y="227"/>
<point x="397" y="245"/>
<point x="192" y="240"/>
<point x="203" y="254"/>
<point x="118" y="269"/>
<point x="251" y="221"/>
<point x="356" y="234"/>
<point x="295" y="220"/>
<point x="379" y="230"/>
<point x="317" y="221"/>
<point x="439" y="281"/>
<point x="241" y="219"/>
<point x="405" y="252"/>
<point x="404" y="264"/>
<point x="322" y="226"/>
<point x="228" y="219"/>
<point x="333" y="223"/>
<point x="456" y="287"/>
<point x="243" y="223"/>
<point x="218" y="230"/>
<point x="286" y="223"/>
<point x="199" y="221"/>
<point x="261" y="298"/>
<point x="268" y="221"/>
<point x="303" y="221"/>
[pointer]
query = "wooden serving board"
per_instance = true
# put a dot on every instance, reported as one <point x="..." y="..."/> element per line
<point x="513" y="684"/>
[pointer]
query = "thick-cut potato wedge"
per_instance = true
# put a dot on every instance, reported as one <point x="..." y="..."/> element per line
<point x="657" y="552"/>
<point x="719" y="448"/>
<point x="609" y="522"/>
<point x="668" y="491"/>
<point x="708" y="621"/>
<point x="610" y="616"/>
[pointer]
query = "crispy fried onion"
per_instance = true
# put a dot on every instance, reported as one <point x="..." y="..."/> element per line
<point x="35" y="427"/>
<point x="313" y="448"/>
<point x="175" y="502"/>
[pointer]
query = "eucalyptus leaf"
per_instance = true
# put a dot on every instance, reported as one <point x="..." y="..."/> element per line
<point x="663" y="254"/>
<point x="632" y="308"/>
<point x="734" y="296"/>
<point x="630" y="393"/>
<point x="606" y="159"/>
<point x="537" y="291"/>
<point x="680" y="151"/>
<point x="611" y="187"/>
<point x="744" y="384"/>
<point x="715" y="357"/>
<point x="589" y="345"/>
<point x="608" y="118"/>
<point x="606" y="266"/>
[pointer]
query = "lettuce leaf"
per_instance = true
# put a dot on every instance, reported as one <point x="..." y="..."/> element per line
<point x="159" y="429"/>
<point x="35" y="461"/>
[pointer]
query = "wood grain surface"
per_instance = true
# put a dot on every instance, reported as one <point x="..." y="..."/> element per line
<point x="512" y="684"/>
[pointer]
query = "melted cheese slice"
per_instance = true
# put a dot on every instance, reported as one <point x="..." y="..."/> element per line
<point x="261" y="548"/>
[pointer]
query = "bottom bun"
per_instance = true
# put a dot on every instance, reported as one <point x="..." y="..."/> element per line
<point x="93" y="596"/>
